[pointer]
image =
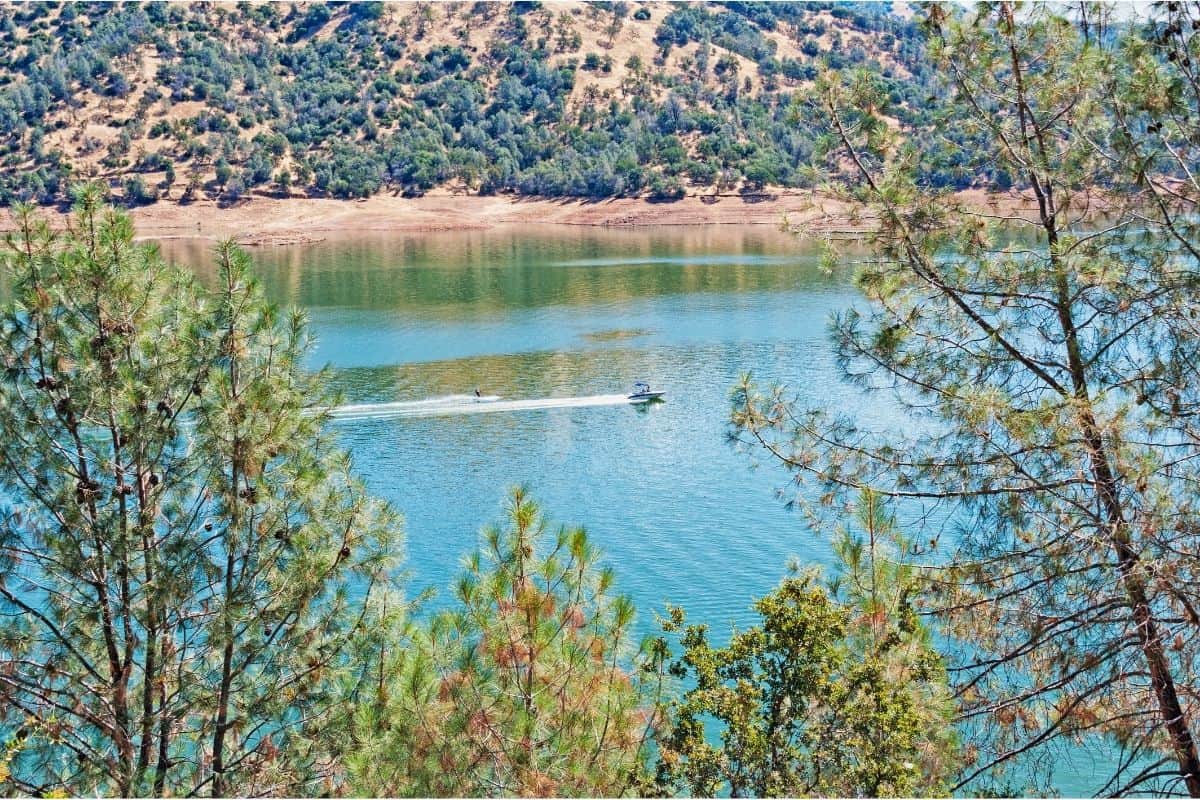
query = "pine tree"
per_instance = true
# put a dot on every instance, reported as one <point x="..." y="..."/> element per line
<point x="1048" y="359"/>
<point x="185" y="558"/>
<point x="525" y="688"/>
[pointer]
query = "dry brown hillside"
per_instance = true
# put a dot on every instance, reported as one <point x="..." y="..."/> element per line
<point x="218" y="100"/>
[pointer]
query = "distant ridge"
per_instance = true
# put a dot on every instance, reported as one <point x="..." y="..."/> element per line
<point x="219" y="101"/>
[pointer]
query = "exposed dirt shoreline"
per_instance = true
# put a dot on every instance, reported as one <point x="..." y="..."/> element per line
<point x="278" y="221"/>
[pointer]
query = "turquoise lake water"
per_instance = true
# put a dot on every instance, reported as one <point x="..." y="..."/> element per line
<point x="557" y="318"/>
<point x="680" y="514"/>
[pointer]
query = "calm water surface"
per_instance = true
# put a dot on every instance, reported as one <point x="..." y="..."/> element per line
<point x="681" y="515"/>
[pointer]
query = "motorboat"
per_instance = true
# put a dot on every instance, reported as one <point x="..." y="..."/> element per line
<point x="642" y="393"/>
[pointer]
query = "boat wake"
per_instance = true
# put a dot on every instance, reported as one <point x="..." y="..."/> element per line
<point x="455" y="404"/>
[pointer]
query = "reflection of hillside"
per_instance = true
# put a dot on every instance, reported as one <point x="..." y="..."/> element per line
<point x="512" y="376"/>
<point x="517" y="376"/>
<point x="463" y="273"/>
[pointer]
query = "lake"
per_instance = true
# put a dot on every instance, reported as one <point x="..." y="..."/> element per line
<point x="556" y="318"/>
<point x="679" y="513"/>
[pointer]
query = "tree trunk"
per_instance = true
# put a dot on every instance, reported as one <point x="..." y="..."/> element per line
<point x="1150" y="641"/>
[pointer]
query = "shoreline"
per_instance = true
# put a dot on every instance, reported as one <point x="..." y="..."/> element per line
<point x="265" y="221"/>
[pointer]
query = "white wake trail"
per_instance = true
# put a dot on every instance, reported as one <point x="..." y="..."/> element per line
<point x="452" y="405"/>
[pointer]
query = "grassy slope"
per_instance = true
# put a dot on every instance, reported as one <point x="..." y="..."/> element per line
<point x="85" y="130"/>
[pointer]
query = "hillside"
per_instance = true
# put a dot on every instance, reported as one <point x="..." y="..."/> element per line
<point x="191" y="101"/>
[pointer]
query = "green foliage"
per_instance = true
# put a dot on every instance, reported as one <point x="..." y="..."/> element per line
<point x="1050" y="367"/>
<point x="837" y="692"/>
<point x="524" y="688"/>
<point x="185" y="557"/>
